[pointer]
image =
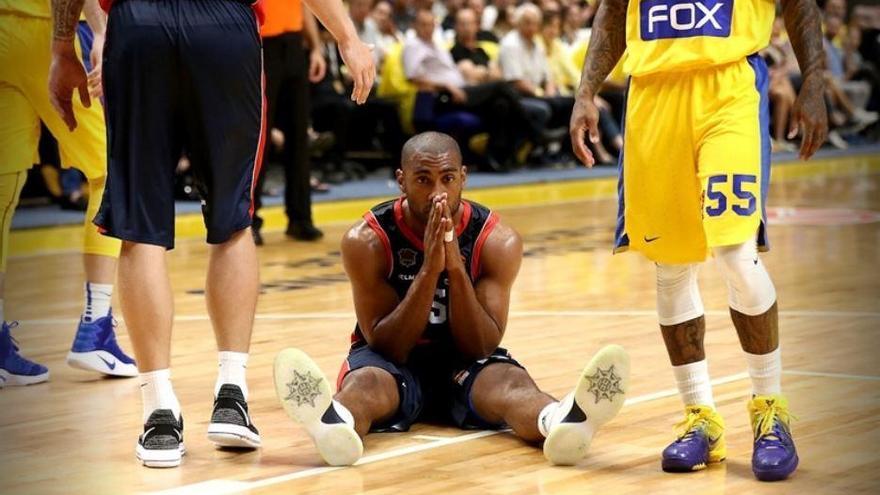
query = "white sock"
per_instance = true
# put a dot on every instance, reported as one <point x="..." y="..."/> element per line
<point x="343" y="412"/>
<point x="693" y="384"/>
<point x="546" y="418"/>
<point x="97" y="301"/>
<point x="233" y="366"/>
<point x="157" y="393"/>
<point x="766" y="372"/>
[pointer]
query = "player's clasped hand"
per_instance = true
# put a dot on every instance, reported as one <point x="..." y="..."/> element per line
<point x="435" y="251"/>
<point x="584" y="117"/>
<point x="358" y="57"/>
<point x="453" y="254"/>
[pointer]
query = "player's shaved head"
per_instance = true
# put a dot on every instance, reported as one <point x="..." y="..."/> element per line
<point x="430" y="147"/>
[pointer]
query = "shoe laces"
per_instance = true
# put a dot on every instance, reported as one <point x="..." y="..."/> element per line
<point x="9" y="326"/>
<point x="696" y="419"/>
<point x="769" y="417"/>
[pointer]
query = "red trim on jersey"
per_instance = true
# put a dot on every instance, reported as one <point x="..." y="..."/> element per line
<point x="343" y="370"/>
<point x="373" y="222"/>
<point x="467" y="211"/>
<point x="261" y="142"/>
<point x="490" y="224"/>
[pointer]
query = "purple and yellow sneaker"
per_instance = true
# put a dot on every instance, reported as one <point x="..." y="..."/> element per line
<point x="14" y="368"/>
<point x="700" y="441"/>
<point x="95" y="349"/>
<point x="774" y="456"/>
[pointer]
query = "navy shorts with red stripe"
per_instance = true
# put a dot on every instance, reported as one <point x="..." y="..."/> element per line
<point x="181" y="77"/>
<point x="434" y="385"/>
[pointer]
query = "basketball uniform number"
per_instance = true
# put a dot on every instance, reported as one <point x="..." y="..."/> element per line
<point x="438" y="309"/>
<point x="713" y="194"/>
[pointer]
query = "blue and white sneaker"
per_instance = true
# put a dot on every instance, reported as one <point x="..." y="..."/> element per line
<point x="95" y="349"/>
<point x="15" y="369"/>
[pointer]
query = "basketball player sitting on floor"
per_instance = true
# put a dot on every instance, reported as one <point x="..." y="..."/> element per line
<point x="431" y="275"/>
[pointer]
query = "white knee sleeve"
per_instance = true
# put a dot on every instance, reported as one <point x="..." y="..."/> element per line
<point x="751" y="291"/>
<point x="678" y="295"/>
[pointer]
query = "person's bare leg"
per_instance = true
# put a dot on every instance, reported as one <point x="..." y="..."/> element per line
<point x="99" y="269"/>
<point x="231" y="291"/>
<point x="503" y="393"/>
<point x="371" y="395"/>
<point x="147" y="303"/>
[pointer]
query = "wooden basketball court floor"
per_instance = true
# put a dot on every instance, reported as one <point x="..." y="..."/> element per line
<point x="76" y="434"/>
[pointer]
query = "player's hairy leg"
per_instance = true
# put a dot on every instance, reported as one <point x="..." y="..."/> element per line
<point x="684" y="341"/>
<point x="371" y="395"/>
<point x="758" y="334"/>
<point x="231" y="291"/>
<point x="503" y="393"/>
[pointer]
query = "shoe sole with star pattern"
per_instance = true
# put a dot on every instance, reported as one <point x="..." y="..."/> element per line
<point x="305" y="395"/>
<point x="598" y="397"/>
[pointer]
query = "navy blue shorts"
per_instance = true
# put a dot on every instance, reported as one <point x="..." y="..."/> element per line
<point x="181" y="76"/>
<point x="433" y="386"/>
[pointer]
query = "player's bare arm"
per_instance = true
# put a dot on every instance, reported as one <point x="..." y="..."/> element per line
<point x="356" y="55"/>
<point x="809" y="115"/>
<point x="478" y="312"/>
<point x="66" y="71"/>
<point x="391" y="327"/>
<point x="607" y="44"/>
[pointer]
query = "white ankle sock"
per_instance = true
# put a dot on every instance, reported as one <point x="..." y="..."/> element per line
<point x="693" y="383"/>
<point x="97" y="298"/>
<point x="233" y="367"/>
<point x="765" y="371"/>
<point x="343" y="412"/>
<point x="157" y="393"/>
<point x="546" y="418"/>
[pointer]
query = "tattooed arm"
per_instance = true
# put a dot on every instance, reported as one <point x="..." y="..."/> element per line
<point x="607" y="44"/>
<point x="66" y="71"/>
<point x="808" y="114"/>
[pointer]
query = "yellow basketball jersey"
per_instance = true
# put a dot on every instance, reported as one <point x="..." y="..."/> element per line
<point x="675" y="35"/>
<point x="32" y="8"/>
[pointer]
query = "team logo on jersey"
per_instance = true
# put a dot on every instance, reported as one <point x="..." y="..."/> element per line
<point x="685" y="18"/>
<point x="407" y="257"/>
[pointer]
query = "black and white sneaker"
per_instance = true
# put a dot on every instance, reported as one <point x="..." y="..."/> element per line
<point x="161" y="444"/>
<point x="231" y="425"/>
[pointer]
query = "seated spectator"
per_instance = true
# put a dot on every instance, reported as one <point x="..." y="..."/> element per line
<point x="475" y="64"/>
<point x="431" y="68"/>
<point x="498" y="17"/>
<point x="524" y="63"/>
<point x="368" y="32"/>
<point x="848" y="97"/>
<point x="781" y="90"/>
<point x="483" y="34"/>
<point x="388" y="32"/>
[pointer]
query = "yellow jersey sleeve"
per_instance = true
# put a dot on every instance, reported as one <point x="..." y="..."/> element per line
<point x="675" y="35"/>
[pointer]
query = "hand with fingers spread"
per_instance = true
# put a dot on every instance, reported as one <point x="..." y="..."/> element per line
<point x="809" y="117"/>
<point x="67" y="73"/>
<point x="358" y="57"/>
<point x="435" y="250"/>
<point x="584" y="118"/>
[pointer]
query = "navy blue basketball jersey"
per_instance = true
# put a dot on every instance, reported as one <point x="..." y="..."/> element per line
<point x="404" y="251"/>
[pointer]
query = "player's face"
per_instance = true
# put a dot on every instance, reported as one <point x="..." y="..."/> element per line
<point x="426" y="177"/>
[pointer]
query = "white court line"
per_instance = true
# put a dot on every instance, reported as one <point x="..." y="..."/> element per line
<point x="432" y="438"/>
<point x="513" y="314"/>
<point x="823" y="374"/>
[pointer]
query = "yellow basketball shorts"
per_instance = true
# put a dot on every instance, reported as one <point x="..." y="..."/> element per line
<point x="25" y="55"/>
<point x="695" y="167"/>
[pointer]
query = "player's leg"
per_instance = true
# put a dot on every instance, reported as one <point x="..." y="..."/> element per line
<point x="14" y="368"/>
<point x="734" y="223"/>
<point x="140" y="77"/>
<point x="374" y="394"/>
<point x="700" y="437"/>
<point x="223" y="113"/>
<point x="499" y="391"/>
